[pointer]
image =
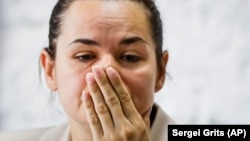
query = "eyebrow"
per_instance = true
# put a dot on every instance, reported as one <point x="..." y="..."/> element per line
<point x="84" y="41"/>
<point x="126" y="41"/>
<point x="132" y="40"/>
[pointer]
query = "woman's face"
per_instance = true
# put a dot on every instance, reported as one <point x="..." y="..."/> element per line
<point x="105" y="33"/>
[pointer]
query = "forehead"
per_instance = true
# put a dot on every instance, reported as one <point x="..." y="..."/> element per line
<point x="108" y="8"/>
<point x="106" y="12"/>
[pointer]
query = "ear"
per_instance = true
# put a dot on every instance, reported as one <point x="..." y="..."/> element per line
<point x="48" y="65"/>
<point x="161" y="72"/>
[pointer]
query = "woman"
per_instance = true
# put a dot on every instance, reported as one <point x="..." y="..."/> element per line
<point x="105" y="60"/>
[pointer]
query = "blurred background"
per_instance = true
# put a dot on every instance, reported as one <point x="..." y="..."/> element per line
<point x="209" y="66"/>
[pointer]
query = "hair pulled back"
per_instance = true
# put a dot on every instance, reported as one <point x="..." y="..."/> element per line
<point x="62" y="6"/>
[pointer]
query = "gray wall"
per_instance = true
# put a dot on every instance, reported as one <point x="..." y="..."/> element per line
<point x="1" y="25"/>
<point x="209" y="66"/>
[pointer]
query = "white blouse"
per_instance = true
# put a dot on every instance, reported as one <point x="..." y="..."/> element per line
<point x="159" y="131"/>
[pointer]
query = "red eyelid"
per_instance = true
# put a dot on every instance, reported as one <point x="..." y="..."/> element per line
<point x="131" y="53"/>
<point x="84" y="53"/>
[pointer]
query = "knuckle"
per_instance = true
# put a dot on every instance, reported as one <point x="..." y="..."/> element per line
<point x="95" y="91"/>
<point x="88" y="106"/>
<point x="102" y="81"/>
<point x="128" y="132"/>
<point x="101" y="109"/>
<point x="112" y="100"/>
<point x="141" y="129"/>
<point x="114" y="137"/>
<point x="124" y="97"/>
<point x="93" y="120"/>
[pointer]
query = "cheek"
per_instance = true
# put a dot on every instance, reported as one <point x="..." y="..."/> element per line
<point x="71" y="83"/>
<point x="141" y="85"/>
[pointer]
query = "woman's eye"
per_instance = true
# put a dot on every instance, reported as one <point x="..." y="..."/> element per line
<point x="85" y="58"/>
<point x="130" y="58"/>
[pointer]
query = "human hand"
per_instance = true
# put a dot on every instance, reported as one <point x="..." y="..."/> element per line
<point x="110" y="110"/>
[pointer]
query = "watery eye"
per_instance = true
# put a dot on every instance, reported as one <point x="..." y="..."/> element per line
<point x="130" y="58"/>
<point x="85" y="58"/>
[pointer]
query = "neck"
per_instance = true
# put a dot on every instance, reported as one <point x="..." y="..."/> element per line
<point x="80" y="131"/>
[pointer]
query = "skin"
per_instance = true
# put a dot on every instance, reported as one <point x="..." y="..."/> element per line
<point x="105" y="70"/>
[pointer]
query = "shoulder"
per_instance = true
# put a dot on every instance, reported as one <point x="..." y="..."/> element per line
<point x="38" y="134"/>
<point x="159" y="129"/>
<point x="161" y="117"/>
<point x="22" y="135"/>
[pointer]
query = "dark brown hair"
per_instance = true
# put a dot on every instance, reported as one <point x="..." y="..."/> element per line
<point x="154" y="19"/>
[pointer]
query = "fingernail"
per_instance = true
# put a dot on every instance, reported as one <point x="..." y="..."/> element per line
<point x="90" y="78"/>
<point x="97" y="70"/>
<point x="111" y="72"/>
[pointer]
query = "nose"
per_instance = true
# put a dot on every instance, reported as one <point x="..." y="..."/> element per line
<point x="108" y="61"/>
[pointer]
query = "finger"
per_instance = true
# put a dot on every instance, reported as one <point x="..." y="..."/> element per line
<point x="91" y="115"/>
<point x="99" y="104"/>
<point x="126" y="102"/>
<point x="109" y="94"/>
<point x="146" y="118"/>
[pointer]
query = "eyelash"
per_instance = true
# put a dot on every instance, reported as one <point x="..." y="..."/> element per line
<point x="85" y="58"/>
<point x="130" y="58"/>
